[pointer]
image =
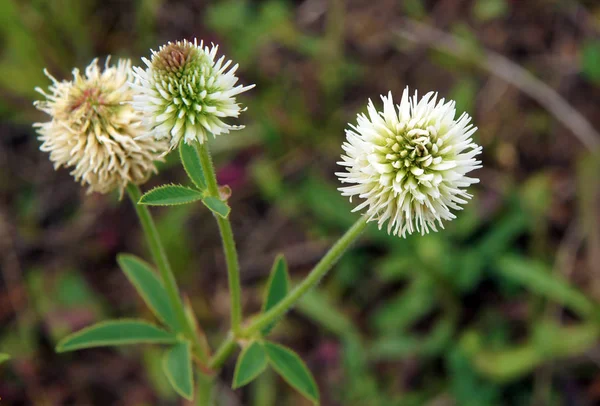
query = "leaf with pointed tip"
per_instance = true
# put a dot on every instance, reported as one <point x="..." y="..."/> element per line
<point x="277" y="288"/>
<point x="177" y="364"/>
<point x="191" y="164"/>
<point x="217" y="206"/>
<point x="169" y="195"/>
<point x="251" y="363"/>
<point x="115" y="332"/>
<point x="150" y="288"/>
<point x="291" y="368"/>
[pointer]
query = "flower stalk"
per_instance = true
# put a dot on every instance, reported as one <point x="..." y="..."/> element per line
<point x="231" y="257"/>
<point x="162" y="262"/>
<point x="313" y="278"/>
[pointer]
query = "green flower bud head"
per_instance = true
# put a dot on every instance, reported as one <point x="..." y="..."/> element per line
<point x="184" y="93"/>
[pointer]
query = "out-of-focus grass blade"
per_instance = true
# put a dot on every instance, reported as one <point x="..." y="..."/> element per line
<point x="537" y="277"/>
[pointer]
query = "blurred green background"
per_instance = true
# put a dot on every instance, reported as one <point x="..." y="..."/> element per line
<point x="501" y="308"/>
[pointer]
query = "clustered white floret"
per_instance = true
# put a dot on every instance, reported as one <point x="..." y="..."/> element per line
<point x="409" y="163"/>
<point x="94" y="129"/>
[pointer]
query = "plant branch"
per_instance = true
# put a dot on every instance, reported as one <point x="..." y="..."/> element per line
<point x="313" y="278"/>
<point x="160" y="259"/>
<point x="231" y="258"/>
<point x="223" y="352"/>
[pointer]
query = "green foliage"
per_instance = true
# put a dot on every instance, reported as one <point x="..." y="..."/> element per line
<point x="414" y="8"/>
<point x="217" y="206"/>
<point x="67" y="291"/>
<point x="21" y="63"/>
<point x="173" y="227"/>
<point x="168" y="195"/>
<point x="485" y="10"/>
<point x="177" y="365"/>
<point x="468" y="388"/>
<point x="153" y="365"/>
<point x="538" y="278"/>
<point x="248" y="27"/>
<point x="318" y="307"/>
<point x="548" y="342"/>
<point x="264" y="390"/>
<point x="291" y="368"/>
<point x="409" y="305"/>
<point x="73" y="291"/>
<point x="464" y="93"/>
<point x="206" y="393"/>
<point x="191" y="164"/>
<point x="277" y="288"/>
<point x="115" y="332"/>
<point x="4" y="357"/>
<point x="150" y="288"/>
<point x="588" y="190"/>
<point x="250" y="364"/>
<point x="590" y="61"/>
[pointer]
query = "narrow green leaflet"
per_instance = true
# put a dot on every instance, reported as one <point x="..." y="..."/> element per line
<point x="251" y="363"/>
<point x="217" y="206"/>
<point x="177" y="365"/>
<point x="293" y="370"/>
<point x="150" y="288"/>
<point x="277" y="287"/>
<point x="4" y="357"/>
<point x="115" y="332"/>
<point x="191" y="164"/>
<point x="169" y="195"/>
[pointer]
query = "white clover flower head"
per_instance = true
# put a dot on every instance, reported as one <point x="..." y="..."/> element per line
<point x="185" y="93"/>
<point x="409" y="163"/>
<point x="93" y="128"/>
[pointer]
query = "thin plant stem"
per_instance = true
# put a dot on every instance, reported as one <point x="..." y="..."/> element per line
<point x="205" y="395"/>
<point x="313" y="278"/>
<point x="221" y="355"/>
<point x="160" y="259"/>
<point x="231" y="257"/>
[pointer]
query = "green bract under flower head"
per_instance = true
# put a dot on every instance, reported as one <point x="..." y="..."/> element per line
<point x="185" y="93"/>
<point x="94" y="129"/>
<point x="409" y="162"/>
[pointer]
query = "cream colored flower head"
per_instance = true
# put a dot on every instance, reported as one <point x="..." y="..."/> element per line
<point x="186" y="93"/>
<point x="409" y="163"/>
<point x="93" y="128"/>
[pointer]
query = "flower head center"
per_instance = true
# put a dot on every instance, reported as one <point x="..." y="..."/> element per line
<point x="174" y="58"/>
<point x="412" y="148"/>
<point x="89" y="99"/>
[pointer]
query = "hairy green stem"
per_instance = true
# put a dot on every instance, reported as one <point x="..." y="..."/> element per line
<point x="313" y="278"/>
<point x="231" y="258"/>
<point x="223" y="352"/>
<point x="205" y="395"/>
<point x="160" y="259"/>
